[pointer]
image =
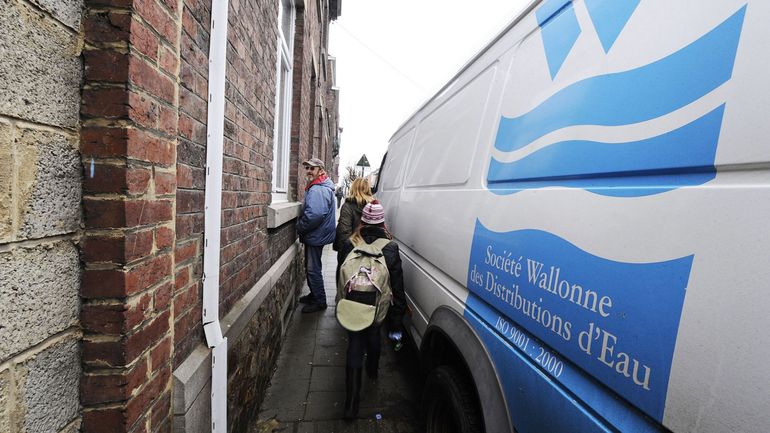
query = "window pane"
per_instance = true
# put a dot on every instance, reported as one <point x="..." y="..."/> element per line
<point x="287" y="16"/>
<point x="281" y="137"/>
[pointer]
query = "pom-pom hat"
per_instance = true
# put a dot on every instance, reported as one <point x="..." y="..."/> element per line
<point x="373" y="213"/>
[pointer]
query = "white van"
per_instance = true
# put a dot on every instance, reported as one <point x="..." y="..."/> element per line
<point x="584" y="216"/>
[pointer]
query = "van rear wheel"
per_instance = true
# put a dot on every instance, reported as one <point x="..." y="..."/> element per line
<point x="449" y="403"/>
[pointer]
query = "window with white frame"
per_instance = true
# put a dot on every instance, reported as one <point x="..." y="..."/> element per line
<point x="282" y="133"/>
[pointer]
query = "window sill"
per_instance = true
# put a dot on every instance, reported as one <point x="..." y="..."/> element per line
<point x="279" y="214"/>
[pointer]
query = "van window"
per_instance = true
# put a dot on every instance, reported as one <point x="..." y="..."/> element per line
<point x="394" y="166"/>
<point x="446" y="139"/>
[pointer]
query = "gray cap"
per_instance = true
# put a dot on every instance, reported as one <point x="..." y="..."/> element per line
<point x="314" y="162"/>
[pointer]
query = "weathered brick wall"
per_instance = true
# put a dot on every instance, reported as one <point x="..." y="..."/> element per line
<point x="248" y="148"/>
<point x="128" y="143"/>
<point x="40" y="215"/>
<point x="191" y="177"/>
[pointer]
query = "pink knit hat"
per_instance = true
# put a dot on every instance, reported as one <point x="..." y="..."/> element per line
<point x="373" y="213"/>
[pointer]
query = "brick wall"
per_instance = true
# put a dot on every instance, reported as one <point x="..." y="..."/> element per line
<point x="128" y="142"/>
<point x="191" y="177"/>
<point x="40" y="216"/>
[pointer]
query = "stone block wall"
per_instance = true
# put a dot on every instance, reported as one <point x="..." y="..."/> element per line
<point x="40" y="215"/>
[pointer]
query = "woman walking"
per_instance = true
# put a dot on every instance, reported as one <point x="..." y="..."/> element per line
<point x="370" y="229"/>
<point x="350" y="214"/>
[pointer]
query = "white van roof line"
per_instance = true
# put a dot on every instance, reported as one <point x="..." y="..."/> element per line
<point x="525" y="12"/>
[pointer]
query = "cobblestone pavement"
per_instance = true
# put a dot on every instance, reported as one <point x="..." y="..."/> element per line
<point x="307" y="391"/>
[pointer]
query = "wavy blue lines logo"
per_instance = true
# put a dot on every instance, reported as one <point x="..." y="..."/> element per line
<point x="681" y="157"/>
<point x="616" y="320"/>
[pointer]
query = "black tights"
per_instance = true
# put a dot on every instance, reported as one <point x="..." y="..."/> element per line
<point x="367" y="341"/>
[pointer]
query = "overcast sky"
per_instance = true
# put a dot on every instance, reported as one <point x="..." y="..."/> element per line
<point x="393" y="55"/>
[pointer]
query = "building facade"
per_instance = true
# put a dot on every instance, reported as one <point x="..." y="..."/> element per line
<point x="106" y="132"/>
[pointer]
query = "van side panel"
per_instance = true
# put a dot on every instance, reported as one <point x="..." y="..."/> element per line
<point x="610" y="243"/>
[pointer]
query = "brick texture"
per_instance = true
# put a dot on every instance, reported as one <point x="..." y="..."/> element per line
<point x="143" y="139"/>
<point x="129" y="199"/>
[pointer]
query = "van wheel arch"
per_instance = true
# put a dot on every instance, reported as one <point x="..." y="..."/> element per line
<point x="462" y="349"/>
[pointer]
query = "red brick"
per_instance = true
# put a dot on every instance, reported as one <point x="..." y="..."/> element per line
<point x="168" y="60"/>
<point x="184" y="176"/>
<point x="143" y="212"/>
<point x="184" y="324"/>
<point x="103" y="283"/>
<point x="104" y="420"/>
<point x="147" y="336"/>
<point x="150" y="148"/>
<point x="138" y="245"/>
<point x="189" y="24"/>
<point x="105" y="102"/>
<point x="158" y="18"/>
<point x="103" y="142"/>
<point x="188" y="201"/>
<point x="105" y="66"/>
<point x="102" y="249"/>
<point x="189" y="224"/>
<point x="186" y="251"/>
<point x="142" y="401"/>
<point x="165" y="183"/>
<point x="160" y="418"/>
<point x="110" y="26"/>
<point x="103" y="319"/>
<point x="164" y="238"/>
<point x="147" y="274"/>
<point x="104" y="179"/>
<point x="111" y="388"/>
<point x="104" y="353"/>
<point x="137" y="180"/>
<point x="182" y="278"/>
<point x="104" y="213"/>
<point x="150" y="79"/>
<point x="144" y="40"/>
<point x="143" y="110"/>
<point x="172" y="5"/>
<point x="162" y="296"/>
<point x="160" y="355"/>
<point x="186" y="299"/>
<point x="114" y="319"/>
<point x="168" y="120"/>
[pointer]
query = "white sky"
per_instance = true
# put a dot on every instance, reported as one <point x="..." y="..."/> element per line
<point x="393" y="55"/>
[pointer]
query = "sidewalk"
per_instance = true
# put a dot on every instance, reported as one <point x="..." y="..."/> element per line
<point x="307" y="391"/>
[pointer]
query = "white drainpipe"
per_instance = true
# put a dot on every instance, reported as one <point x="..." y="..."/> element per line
<point x="213" y="215"/>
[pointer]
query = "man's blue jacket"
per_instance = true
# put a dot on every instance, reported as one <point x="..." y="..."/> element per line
<point x="316" y="225"/>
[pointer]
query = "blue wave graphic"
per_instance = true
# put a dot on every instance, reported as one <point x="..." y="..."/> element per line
<point x="683" y="157"/>
<point x="609" y="18"/>
<point x="560" y="30"/>
<point x="617" y="321"/>
<point x="633" y="96"/>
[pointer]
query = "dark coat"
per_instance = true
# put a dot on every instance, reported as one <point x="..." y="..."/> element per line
<point x="393" y="262"/>
<point x="350" y="216"/>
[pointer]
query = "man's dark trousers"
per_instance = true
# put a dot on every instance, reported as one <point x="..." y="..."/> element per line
<point x="315" y="279"/>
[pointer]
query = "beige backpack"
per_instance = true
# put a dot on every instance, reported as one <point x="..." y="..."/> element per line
<point x="363" y="289"/>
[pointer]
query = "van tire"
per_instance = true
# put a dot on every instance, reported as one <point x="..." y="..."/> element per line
<point x="449" y="403"/>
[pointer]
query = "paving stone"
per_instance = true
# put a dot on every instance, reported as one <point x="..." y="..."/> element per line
<point x="325" y="405"/>
<point x="327" y="379"/>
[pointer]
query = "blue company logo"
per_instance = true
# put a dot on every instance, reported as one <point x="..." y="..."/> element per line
<point x="617" y="321"/>
<point x="678" y="158"/>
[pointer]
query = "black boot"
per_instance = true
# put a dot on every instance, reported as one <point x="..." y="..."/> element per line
<point x="352" y="391"/>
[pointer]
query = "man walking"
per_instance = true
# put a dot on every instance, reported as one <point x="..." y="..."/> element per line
<point x="315" y="228"/>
